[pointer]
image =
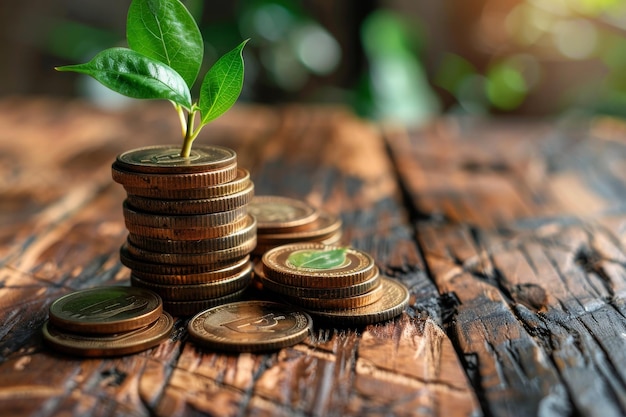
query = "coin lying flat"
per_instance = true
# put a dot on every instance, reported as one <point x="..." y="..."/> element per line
<point x="123" y="343"/>
<point x="212" y="289"/>
<point x="338" y="303"/>
<point x="250" y="326"/>
<point x="168" y="181"/>
<point x="239" y="237"/>
<point x="167" y="159"/>
<point x="207" y="220"/>
<point x="315" y="292"/>
<point x="279" y="266"/>
<point x="192" y="233"/>
<point x="218" y="274"/>
<point x="274" y="213"/>
<point x="155" y="267"/>
<point x="105" y="310"/>
<point x="225" y="202"/>
<point x="325" y="226"/>
<point x="189" y="308"/>
<point x="239" y="183"/>
<point x="394" y="300"/>
<point x="219" y="256"/>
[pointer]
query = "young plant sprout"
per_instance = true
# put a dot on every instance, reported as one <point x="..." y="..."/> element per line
<point x="162" y="61"/>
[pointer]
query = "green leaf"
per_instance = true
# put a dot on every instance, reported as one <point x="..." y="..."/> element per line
<point x="134" y="75"/>
<point x="318" y="259"/>
<point x="222" y="85"/>
<point x="165" y="30"/>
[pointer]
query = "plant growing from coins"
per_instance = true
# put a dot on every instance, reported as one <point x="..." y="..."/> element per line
<point x="163" y="60"/>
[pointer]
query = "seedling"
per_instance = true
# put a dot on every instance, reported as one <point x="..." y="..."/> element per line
<point x="162" y="61"/>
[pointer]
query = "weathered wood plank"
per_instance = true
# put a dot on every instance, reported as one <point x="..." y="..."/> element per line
<point x="68" y="239"/>
<point x="538" y="293"/>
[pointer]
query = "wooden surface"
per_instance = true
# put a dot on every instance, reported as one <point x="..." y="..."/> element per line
<point x="511" y="236"/>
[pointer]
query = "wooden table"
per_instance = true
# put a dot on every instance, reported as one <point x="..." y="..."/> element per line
<point x="511" y="236"/>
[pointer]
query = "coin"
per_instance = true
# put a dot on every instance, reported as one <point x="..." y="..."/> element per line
<point x="323" y="227"/>
<point x="150" y="266"/>
<point x="314" y="292"/>
<point x="188" y="292"/>
<point x="136" y="217"/>
<point x="394" y="300"/>
<point x="193" y="233"/>
<point x="197" y="246"/>
<point x="101" y="310"/>
<point x="167" y="159"/>
<point x="189" y="308"/>
<point x="274" y="213"/>
<point x="169" y="181"/>
<point x="241" y="181"/>
<point x="250" y="326"/>
<point x="263" y="246"/>
<point x="356" y="267"/>
<point x="193" y="206"/>
<point x="123" y="343"/>
<point x="338" y="303"/>
<point x="226" y="255"/>
<point x="226" y="271"/>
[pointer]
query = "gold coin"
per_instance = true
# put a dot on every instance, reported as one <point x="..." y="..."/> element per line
<point x="338" y="303"/>
<point x="136" y="217"/>
<point x="250" y="326"/>
<point x="190" y="292"/>
<point x="219" y="256"/>
<point x="189" y="308"/>
<point x="263" y="246"/>
<point x="333" y="239"/>
<point x="116" y="344"/>
<point x="356" y="267"/>
<point x="313" y="292"/>
<point x="394" y="300"/>
<point x="193" y="206"/>
<point x="167" y="159"/>
<point x="275" y="213"/>
<point x="188" y="234"/>
<point x="169" y="181"/>
<point x="194" y="278"/>
<point x="197" y="246"/>
<point x="105" y="310"/>
<point x="323" y="227"/>
<point x="153" y="267"/>
<point x="241" y="181"/>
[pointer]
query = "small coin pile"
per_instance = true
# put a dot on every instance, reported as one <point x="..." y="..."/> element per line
<point x="190" y="234"/>
<point x="107" y="321"/>
<point x="332" y="283"/>
<point x="283" y="220"/>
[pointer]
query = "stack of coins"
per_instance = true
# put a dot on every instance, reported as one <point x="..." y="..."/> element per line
<point x="190" y="234"/>
<point x="341" y="285"/>
<point x="283" y="220"/>
<point x="107" y="321"/>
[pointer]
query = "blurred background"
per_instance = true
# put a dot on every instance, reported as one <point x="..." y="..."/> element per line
<point x="405" y="60"/>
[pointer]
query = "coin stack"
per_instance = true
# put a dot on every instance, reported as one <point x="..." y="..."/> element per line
<point x="342" y="285"/>
<point x="107" y="321"/>
<point x="190" y="234"/>
<point x="283" y="220"/>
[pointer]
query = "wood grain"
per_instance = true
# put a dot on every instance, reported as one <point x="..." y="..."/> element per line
<point x="509" y="234"/>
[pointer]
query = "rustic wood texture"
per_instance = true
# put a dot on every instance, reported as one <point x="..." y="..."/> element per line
<point x="510" y="236"/>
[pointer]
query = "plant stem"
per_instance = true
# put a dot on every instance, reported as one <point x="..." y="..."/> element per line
<point x="190" y="135"/>
<point x="181" y="117"/>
